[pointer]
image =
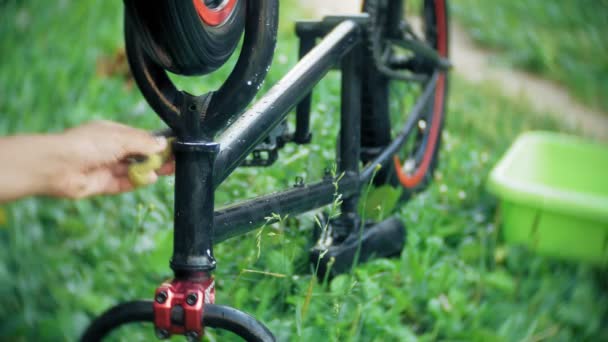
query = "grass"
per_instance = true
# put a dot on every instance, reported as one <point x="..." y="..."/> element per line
<point x="63" y="262"/>
<point x="561" y="40"/>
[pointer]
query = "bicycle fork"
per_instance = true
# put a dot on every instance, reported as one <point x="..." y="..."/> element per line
<point x="179" y="305"/>
<point x="192" y="261"/>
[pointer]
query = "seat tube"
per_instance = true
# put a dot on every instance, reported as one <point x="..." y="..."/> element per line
<point x="350" y="134"/>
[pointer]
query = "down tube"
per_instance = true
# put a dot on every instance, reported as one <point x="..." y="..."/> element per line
<point x="254" y="125"/>
<point x="249" y="215"/>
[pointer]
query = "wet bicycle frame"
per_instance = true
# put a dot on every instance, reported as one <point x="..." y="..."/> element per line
<point x="204" y="160"/>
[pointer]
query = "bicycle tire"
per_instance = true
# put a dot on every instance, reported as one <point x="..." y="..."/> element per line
<point x="175" y="36"/>
<point x="214" y="316"/>
<point x="376" y="99"/>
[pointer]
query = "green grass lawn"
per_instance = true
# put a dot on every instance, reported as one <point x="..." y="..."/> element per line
<point x="63" y="262"/>
<point x="565" y="40"/>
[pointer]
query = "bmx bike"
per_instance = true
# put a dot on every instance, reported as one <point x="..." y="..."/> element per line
<point x="383" y="48"/>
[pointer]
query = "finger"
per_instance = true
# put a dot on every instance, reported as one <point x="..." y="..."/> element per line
<point x="120" y="185"/>
<point x="137" y="142"/>
<point x="167" y="169"/>
<point x="133" y="141"/>
<point x="94" y="182"/>
<point x="104" y="142"/>
<point x="120" y="169"/>
<point x="103" y="181"/>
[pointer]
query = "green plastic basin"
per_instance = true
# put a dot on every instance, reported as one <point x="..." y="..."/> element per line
<point x="553" y="192"/>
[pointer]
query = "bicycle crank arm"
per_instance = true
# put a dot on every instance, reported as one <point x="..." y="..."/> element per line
<point x="422" y="51"/>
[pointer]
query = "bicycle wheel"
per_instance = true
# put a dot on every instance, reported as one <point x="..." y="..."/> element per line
<point x="387" y="99"/>
<point x="188" y="37"/>
<point x="214" y="316"/>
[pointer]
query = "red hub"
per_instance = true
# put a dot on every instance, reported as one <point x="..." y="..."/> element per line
<point x="191" y="295"/>
<point x="217" y="15"/>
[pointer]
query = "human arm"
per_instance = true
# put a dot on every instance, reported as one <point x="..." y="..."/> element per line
<point x="87" y="160"/>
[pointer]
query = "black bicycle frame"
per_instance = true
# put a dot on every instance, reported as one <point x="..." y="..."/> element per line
<point x="203" y="161"/>
<point x="340" y="45"/>
<point x="202" y="164"/>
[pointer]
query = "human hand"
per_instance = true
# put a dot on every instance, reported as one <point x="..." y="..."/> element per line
<point x="87" y="160"/>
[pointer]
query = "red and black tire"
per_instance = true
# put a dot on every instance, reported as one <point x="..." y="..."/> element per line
<point x="187" y="37"/>
<point x="376" y="106"/>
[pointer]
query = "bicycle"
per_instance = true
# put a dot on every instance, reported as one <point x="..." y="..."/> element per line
<point x="215" y="133"/>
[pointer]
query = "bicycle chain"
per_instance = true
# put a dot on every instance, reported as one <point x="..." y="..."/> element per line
<point x="375" y="30"/>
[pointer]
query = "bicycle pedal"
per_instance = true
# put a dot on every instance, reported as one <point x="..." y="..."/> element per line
<point x="381" y="240"/>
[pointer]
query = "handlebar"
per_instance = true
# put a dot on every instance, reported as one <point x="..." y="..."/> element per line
<point x="214" y="316"/>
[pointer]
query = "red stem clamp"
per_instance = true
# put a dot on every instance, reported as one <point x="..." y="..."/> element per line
<point x="182" y="298"/>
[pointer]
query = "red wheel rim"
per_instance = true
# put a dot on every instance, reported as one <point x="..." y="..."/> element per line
<point x="412" y="180"/>
<point x="214" y="16"/>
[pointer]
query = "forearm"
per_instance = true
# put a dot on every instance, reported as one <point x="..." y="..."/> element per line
<point x="28" y="165"/>
<point x="92" y="159"/>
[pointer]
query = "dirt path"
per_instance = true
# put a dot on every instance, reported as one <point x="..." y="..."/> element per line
<point x="473" y="64"/>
